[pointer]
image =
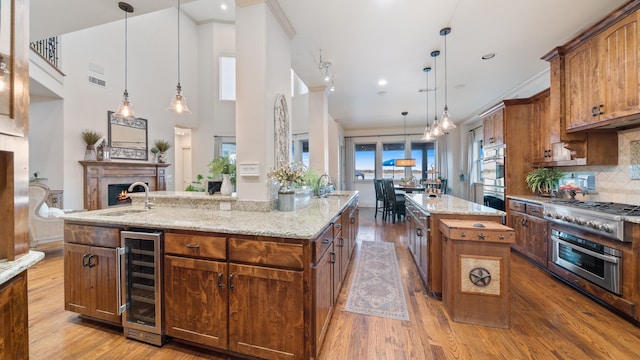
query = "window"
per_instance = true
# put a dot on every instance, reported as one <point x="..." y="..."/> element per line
<point x="228" y="78"/>
<point x="304" y="144"/>
<point x="425" y="155"/>
<point x="229" y="149"/>
<point x="365" y="161"/>
<point x="392" y="151"/>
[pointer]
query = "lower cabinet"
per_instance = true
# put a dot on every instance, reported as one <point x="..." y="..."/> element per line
<point x="530" y="228"/>
<point x="14" y="330"/>
<point x="90" y="273"/>
<point x="196" y="305"/>
<point x="322" y="275"/>
<point x="418" y="235"/>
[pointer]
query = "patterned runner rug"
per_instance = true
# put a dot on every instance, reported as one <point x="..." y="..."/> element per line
<point x="376" y="288"/>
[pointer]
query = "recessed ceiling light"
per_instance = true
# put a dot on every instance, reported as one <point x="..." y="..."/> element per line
<point x="488" y="56"/>
<point x="382" y="82"/>
<point x="223" y="6"/>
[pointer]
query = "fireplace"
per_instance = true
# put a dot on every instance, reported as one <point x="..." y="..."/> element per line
<point x="99" y="175"/>
<point x="118" y="194"/>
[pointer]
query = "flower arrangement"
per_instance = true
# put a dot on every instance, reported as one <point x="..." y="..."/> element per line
<point x="162" y="145"/>
<point x="287" y="173"/>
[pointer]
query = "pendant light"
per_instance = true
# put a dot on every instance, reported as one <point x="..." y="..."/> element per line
<point x="427" y="131"/>
<point x="446" y="117"/>
<point x="125" y="109"/>
<point x="436" y="130"/>
<point x="406" y="162"/>
<point x="179" y="102"/>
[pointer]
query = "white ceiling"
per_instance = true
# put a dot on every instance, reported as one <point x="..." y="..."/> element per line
<point x="367" y="40"/>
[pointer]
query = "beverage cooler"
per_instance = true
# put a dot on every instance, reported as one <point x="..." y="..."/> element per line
<point x="140" y="265"/>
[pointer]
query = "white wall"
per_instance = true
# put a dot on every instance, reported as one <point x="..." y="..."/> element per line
<point x="46" y="141"/>
<point x="152" y="79"/>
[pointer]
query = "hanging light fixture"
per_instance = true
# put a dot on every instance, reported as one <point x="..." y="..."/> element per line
<point x="427" y="131"/>
<point x="405" y="162"/>
<point x="333" y="87"/>
<point x="325" y="65"/>
<point x="436" y="130"/>
<point x="125" y="109"/>
<point x="179" y="102"/>
<point x="446" y="117"/>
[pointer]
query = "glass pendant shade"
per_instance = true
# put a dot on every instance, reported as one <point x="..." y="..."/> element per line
<point x="437" y="129"/>
<point x="446" y="117"/>
<point x="179" y="102"/>
<point x="427" y="134"/>
<point x="446" y="120"/>
<point x="126" y="109"/>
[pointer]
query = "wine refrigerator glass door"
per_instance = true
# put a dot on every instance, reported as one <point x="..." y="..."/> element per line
<point x="142" y="286"/>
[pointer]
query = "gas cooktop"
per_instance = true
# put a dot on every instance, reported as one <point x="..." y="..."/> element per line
<point x="605" y="207"/>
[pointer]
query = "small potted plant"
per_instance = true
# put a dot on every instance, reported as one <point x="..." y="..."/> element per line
<point x="543" y="180"/>
<point x="154" y="150"/>
<point x="287" y="176"/>
<point x="225" y="167"/>
<point x="162" y="146"/>
<point x="90" y="138"/>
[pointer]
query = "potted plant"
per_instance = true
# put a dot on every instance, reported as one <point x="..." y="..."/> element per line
<point x="287" y="176"/>
<point x="154" y="150"/>
<point x="90" y="138"/>
<point x="543" y="180"/>
<point x="225" y="167"/>
<point x="162" y="146"/>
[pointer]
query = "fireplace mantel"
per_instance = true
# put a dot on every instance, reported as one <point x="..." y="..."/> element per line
<point x="99" y="174"/>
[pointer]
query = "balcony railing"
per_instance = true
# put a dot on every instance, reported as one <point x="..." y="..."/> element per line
<point x="48" y="49"/>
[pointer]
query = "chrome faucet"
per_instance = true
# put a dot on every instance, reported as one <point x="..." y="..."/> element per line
<point x="147" y="204"/>
<point x="322" y="189"/>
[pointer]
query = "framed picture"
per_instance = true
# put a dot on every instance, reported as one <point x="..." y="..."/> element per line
<point x="127" y="137"/>
<point x="14" y="77"/>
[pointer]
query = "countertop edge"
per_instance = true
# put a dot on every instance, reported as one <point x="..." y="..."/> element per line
<point x="10" y="269"/>
<point x="470" y="208"/>
<point x="530" y="198"/>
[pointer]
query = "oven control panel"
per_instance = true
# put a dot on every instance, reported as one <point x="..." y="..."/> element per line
<point x="586" y="220"/>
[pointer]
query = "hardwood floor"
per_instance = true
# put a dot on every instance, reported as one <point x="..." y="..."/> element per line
<point x="548" y="321"/>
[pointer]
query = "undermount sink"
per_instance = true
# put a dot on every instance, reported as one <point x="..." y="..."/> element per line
<point x="124" y="212"/>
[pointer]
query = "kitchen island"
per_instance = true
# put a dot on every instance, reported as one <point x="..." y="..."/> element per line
<point x="250" y="283"/>
<point x="425" y="240"/>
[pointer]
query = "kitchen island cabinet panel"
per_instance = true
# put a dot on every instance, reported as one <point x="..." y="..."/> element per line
<point x="196" y="300"/>
<point x="266" y="312"/>
<point x="322" y="274"/>
<point x="14" y="330"/>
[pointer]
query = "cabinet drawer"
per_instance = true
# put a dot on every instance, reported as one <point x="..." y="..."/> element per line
<point x="534" y="210"/>
<point x="517" y="206"/>
<point x="337" y="226"/>
<point x="195" y="245"/>
<point x="92" y="235"/>
<point x="266" y="253"/>
<point x="482" y="235"/>
<point x="322" y="243"/>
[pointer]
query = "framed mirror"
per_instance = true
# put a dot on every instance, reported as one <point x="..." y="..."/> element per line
<point x="127" y="137"/>
<point x="14" y="75"/>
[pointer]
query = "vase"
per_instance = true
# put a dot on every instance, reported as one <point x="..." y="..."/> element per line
<point x="286" y="197"/>
<point x="227" y="187"/>
<point x="90" y="153"/>
<point x="162" y="157"/>
<point x="155" y="158"/>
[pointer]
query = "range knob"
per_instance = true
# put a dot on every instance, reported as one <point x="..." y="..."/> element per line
<point x="580" y="221"/>
<point x="592" y="224"/>
<point x="605" y="228"/>
<point x="567" y="218"/>
<point x="557" y="216"/>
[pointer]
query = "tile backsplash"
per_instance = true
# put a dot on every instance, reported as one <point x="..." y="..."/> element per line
<point x="615" y="183"/>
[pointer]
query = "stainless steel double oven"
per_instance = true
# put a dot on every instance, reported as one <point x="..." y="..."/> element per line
<point x="493" y="176"/>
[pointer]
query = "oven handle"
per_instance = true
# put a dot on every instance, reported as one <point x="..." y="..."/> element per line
<point x="611" y="259"/>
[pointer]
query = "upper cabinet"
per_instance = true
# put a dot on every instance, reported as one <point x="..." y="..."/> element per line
<point x="599" y="74"/>
<point x="493" y="128"/>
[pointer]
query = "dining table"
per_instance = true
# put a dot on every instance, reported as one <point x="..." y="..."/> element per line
<point x="409" y="188"/>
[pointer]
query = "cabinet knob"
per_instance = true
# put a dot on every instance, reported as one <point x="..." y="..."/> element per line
<point x="220" y="276"/>
<point x="463" y="234"/>
<point x="594" y="111"/>
<point x="501" y="236"/>
<point x="600" y="109"/>
<point x="326" y="240"/>
<point x="231" y="286"/>
<point x="481" y="236"/>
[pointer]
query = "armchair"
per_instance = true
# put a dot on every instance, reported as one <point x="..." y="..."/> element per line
<point x="43" y="227"/>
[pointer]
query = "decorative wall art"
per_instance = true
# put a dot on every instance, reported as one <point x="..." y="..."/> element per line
<point x="282" y="132"/>
<point x="127" y="137"/>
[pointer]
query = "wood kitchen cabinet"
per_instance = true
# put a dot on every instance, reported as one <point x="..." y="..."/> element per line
<point x="602" y="72"/>
<point x="90" y="272"/>
<point x="14" y="327"/>
<point x="493" y="128"/>
<point x="546" y="145"/>
<point x="530" y="228"/>
<point x="322" y="273"/>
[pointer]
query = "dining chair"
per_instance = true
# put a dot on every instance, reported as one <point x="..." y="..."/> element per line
<point x="394" y="202"/>
<point x="380" y="203"/>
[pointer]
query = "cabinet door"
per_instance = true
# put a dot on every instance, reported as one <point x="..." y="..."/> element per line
<point x="197" y="309"/>
<point x="411" y="232"/>
<point x="266" y="312"/>
<point x="322" y="275"/>
<point x="14" y="330"/>
<point x="516" y="221"/>
<point x="581" y="85"/>
<point x="547" y="131"/>
<point x="537" y="239"/>
<point x="619" y="69"/>
<point x="104" y="294"/>
<point x="77" y="279"/>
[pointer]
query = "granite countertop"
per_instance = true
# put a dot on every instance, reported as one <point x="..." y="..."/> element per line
<point x="446" y="204"/>
<point x="305" y="223"/>
<point x="531" y="198"/>
<point x="9" y="269"/>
